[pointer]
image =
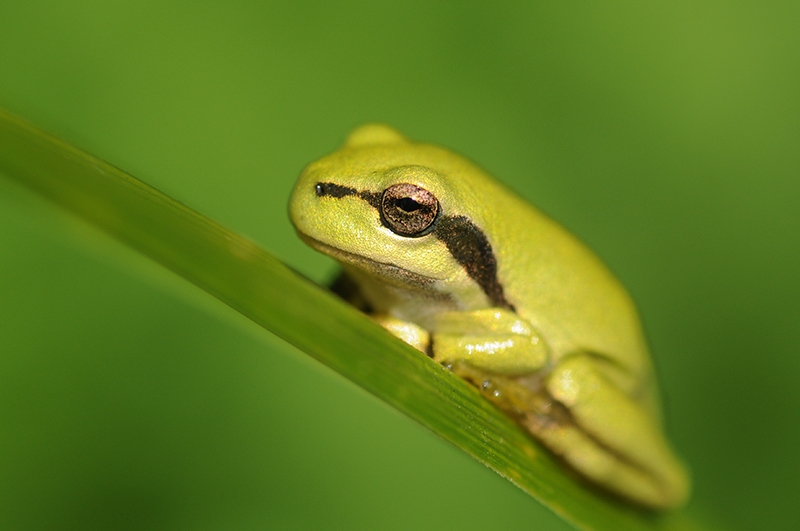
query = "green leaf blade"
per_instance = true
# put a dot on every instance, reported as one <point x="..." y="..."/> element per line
<point x="249" y="280"/>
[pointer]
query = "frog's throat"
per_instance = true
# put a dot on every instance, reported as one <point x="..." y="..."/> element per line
<point x="465" y="242"/>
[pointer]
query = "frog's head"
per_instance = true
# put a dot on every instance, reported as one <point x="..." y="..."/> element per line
<point x="401" y="211"/>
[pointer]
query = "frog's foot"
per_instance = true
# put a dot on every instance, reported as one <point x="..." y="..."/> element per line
<point x="606" y="436"/>
<point x="413" y="334"/>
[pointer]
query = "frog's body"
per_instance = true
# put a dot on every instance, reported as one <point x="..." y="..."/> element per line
<point x="454" y="263"/>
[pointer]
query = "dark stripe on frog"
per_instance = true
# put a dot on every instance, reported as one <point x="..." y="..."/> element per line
<point x="465" y="242"/>
<point x="469" y="246"/>
<point x="338" y="191"/>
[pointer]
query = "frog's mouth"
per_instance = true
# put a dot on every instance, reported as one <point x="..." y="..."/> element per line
<point x="381" y="269"/>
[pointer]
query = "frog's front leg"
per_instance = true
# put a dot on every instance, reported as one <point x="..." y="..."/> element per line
<point x="606" y="435"/>
<point x="494" y="340"/>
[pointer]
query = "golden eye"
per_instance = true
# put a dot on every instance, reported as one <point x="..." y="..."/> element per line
<point x="409" y="210"/>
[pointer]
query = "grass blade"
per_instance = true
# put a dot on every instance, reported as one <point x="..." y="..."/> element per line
<point x="266" y="291"/>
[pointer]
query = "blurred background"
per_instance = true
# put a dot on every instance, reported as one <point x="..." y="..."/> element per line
<point x="667" y="137"/>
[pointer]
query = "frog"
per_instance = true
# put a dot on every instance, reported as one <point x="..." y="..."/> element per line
<point x="456" y="264"/>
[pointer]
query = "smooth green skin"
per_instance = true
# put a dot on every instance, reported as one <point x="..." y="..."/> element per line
<point x="571" y="364"/>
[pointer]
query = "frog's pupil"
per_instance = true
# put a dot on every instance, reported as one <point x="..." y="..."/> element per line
<point x="408" y="204"/>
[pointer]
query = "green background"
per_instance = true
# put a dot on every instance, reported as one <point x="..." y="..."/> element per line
<point x="668" y="137"/>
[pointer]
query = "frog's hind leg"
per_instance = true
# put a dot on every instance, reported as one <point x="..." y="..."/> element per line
<point x="605" y="435"/>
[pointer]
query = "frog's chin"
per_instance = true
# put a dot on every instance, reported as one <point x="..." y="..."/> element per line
<point x="365" y="264"/>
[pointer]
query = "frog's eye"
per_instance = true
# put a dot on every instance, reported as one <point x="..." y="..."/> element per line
<point x="409" y="210"/>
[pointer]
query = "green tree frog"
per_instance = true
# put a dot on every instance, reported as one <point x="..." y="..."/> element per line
<point x="452" y="262"/>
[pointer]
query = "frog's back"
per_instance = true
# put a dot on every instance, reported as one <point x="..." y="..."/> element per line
<point x="559" y="285"/>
